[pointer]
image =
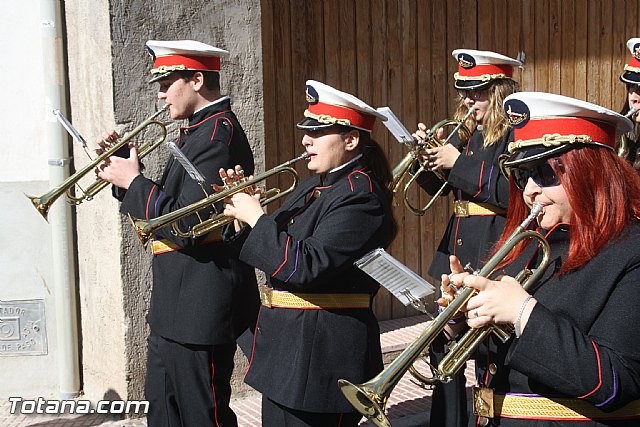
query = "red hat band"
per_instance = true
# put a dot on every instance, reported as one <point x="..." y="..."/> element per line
<point x="355" y="118"/>
<point x="633" y="62"/>
<point x="601" y="132"/>
<point x="209" y="63"/>
<point x="488" y="69"/>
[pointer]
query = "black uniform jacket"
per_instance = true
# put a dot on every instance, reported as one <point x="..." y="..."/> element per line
<point x="582" y="339"/>
<point x="475" y="177"/>
<point x="201" y="293"/>
<point x="309" y="245"/>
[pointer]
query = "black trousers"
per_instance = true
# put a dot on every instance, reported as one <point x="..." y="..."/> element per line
<point x="189" y="385"/>
<point x="275" y="415"/>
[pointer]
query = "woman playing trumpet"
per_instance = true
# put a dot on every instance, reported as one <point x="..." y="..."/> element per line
<point x="628" y="143"/>
<point x="316" y="324"/>
<point x="481" y="193"/>
<point x="574" y="359"/>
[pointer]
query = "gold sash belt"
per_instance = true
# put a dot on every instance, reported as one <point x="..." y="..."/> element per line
<point x="489" y="405"/>
<point x="303" y="301"/>
<point x="465" y="208"/>
<point x="163" y="246"/>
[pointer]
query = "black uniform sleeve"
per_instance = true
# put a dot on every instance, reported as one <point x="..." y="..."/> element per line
<point x="343" y="234"/>
<point x="482" y="180"/>
<point x="601" y="367"/>
<point x="147" y="199"/>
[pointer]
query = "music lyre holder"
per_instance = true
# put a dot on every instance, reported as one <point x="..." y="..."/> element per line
<point x="404" y="284"/>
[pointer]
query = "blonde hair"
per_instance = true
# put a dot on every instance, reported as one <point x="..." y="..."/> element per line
<point x="494" y="123"/>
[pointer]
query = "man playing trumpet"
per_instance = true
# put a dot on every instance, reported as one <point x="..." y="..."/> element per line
<point x="202" y="296"/>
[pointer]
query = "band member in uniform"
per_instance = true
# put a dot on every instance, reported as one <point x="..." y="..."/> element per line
<point x="574" y="358"/>
<point x="481" y="192"/>
<point x="628" y="143"/>
<point x="316" y="324"/>
<point x="203" y="297"/>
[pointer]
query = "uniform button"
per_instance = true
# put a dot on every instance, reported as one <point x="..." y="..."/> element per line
<point x="483" y="421"/>
<point x="459" y="242"/>
<point x="317" y="193"/>
<point x="186" y="131"/>
<point x="470" y="153"/>
<point x="493" y="368"/>
<point x="291" y="220"/>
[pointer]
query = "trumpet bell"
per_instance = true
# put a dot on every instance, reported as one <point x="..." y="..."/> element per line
<point x="42" y="208"/>
<point x="43" y="203"/>
<point x="366" y="402"/>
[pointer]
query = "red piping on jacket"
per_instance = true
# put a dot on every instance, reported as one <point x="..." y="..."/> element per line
<point x="149" y="201"/>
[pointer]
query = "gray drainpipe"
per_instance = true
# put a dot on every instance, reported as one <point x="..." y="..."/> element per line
<point x="60" y="216"/>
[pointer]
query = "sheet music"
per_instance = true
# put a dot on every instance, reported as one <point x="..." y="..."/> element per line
<point x="396" y="277"/>
<point x="395" y="126"/>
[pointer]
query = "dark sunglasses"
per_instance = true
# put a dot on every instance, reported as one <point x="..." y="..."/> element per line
<point x="542" y="174"/>
<point x="471" y="94"/>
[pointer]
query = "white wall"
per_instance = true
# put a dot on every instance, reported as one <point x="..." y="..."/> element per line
<point x="23" y="152"/>
<point x="25" y="241"/>
<point x="102" y="54"/>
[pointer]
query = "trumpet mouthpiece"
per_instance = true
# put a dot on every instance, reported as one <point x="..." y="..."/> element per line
<point x="536" y="209"/>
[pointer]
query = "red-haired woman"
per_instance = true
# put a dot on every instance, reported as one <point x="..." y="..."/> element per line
<point x="574" y="359"/>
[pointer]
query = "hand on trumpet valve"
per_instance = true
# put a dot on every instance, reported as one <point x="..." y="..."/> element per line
<point x="233" y="178"/>
<point x="443" y="157"/>
<point x="452" y="283"/>
<point x="107" y="140"/>
<point x="421" y="134"/>
<point x="120" y="171"/>
<point x="497" y="301"/>
<point x="435" y="156"/>
<point x="245" y="205"/>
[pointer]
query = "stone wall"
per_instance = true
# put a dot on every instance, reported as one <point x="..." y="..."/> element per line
<point x="109" y="70"/>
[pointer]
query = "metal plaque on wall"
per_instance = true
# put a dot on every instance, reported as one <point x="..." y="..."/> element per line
<point x="22" y="328"/>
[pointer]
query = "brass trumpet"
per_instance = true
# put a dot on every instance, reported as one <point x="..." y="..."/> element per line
<point x="43" y="203"/>
<point x="145" y="229"/>
<point x="431" y="141"/>
<point x="370" y="398"/>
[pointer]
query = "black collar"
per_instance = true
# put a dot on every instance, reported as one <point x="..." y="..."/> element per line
<point x="331" y="178"/>
<point x="201" y="115"/>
